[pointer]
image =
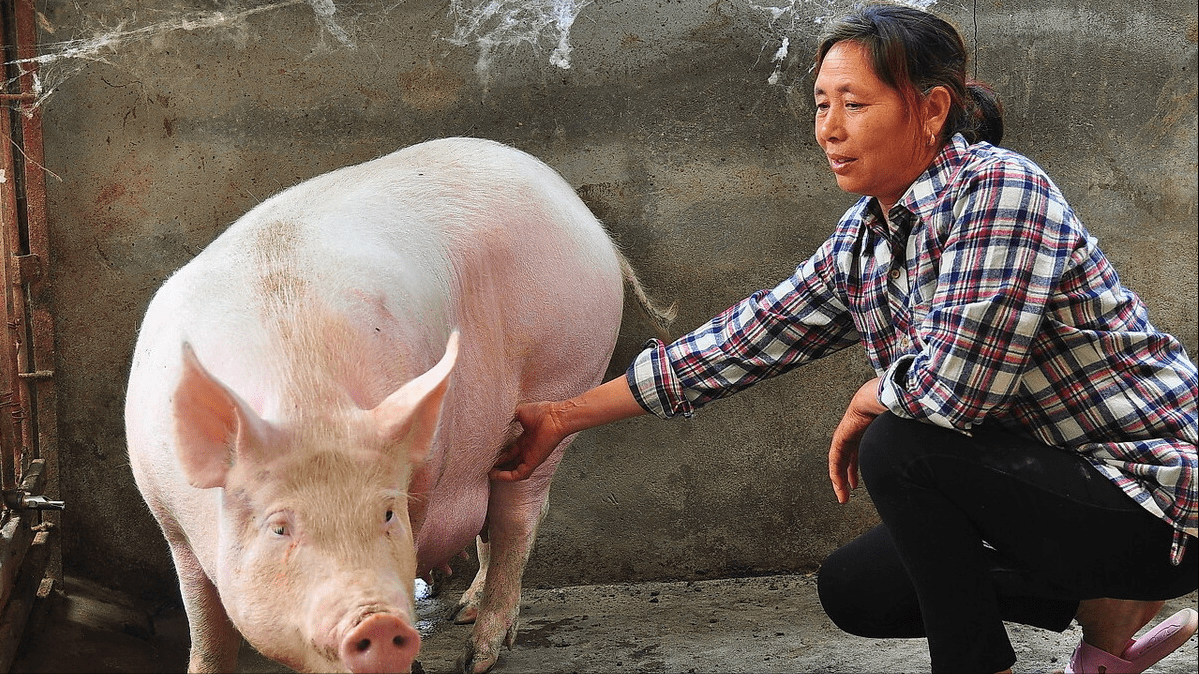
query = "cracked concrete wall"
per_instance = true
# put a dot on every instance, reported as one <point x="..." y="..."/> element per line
<point x="668" y="125"/>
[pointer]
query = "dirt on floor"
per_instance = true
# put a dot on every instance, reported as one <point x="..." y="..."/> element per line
<point x="769" y="624"/>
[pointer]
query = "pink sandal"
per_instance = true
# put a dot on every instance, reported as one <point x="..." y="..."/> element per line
<point x="1141" y="653"/>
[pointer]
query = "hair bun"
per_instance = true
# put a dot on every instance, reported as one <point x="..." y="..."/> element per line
<point x="987" y="111"/>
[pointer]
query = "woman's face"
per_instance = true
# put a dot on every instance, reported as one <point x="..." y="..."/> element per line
<point x="874" y="144"/>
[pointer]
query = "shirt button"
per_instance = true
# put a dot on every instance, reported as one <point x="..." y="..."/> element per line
<point x="894" y="274"/>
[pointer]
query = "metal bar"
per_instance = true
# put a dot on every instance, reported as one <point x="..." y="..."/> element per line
<point x="38" y="295"/>
<point x="11" y="304"/>
<point x="37" y="374"/>
<point x="28" y="431"/>
<point x="40" y="318"/>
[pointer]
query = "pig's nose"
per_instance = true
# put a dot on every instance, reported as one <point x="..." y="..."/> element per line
<point x="380" y="643"/>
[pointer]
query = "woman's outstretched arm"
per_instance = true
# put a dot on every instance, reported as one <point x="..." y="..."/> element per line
<point x="546" y="424"/>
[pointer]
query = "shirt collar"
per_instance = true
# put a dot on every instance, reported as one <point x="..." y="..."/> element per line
<point x="923" y="194"/>
<point x="927" y="189"/>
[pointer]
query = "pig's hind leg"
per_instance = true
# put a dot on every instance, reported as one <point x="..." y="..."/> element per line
<point x="514" y="512"/>
<point x="214" y="639"/>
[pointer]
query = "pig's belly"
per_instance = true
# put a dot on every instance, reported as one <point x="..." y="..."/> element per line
<point x="451" y="522"/>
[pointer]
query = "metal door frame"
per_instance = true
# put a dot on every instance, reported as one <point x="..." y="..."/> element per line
<point x="30" y="561"/>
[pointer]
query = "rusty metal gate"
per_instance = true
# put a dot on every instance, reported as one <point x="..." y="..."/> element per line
<point x="29" y="558"/>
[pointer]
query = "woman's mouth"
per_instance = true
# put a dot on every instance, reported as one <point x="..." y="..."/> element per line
<point x="838" y="163"/>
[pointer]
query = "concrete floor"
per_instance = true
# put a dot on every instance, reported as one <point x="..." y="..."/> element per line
<point x="771" y="624"/>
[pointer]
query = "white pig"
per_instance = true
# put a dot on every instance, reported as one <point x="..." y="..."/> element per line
<point x="316" y="399"/>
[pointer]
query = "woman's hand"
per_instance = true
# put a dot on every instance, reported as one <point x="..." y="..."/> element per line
<point x="542" y="433"/>
<point x="547" y="424"/>
<point x="843" y="454"/>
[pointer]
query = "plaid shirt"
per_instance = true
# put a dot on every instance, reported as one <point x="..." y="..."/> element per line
<point x="983" y="299"/>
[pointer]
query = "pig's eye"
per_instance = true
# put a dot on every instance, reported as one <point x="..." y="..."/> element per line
<point x="279" y="526"/>
<point x="389" y="516"/>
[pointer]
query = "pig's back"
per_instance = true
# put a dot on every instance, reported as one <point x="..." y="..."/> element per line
<point x="462" y="233"/>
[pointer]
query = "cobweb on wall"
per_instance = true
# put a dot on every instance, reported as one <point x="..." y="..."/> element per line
<point x="789" y="19"/>
<point x="496" y="28"/>
<point x="495" y="25"/>
<point x="59" y="61"/>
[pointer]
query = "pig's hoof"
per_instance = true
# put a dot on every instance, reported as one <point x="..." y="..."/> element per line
<point x="465" y="614"/>
<point x="416" y="668"/>
<point x="510" y="635"/>
<point x="473" y="662"/>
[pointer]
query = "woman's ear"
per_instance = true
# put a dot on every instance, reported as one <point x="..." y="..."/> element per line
<point x="936" y="111"/>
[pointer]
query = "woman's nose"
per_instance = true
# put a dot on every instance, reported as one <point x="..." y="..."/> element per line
<point x="829" y="126"/>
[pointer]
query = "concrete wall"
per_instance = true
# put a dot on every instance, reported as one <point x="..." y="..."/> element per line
<point x="177" y="118"/>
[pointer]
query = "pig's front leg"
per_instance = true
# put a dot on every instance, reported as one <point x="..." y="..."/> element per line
<point x="214" y="640"/>
<point x="514" y="512"/>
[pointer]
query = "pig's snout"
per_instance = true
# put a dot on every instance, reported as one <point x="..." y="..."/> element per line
<point x="380" y="643"/>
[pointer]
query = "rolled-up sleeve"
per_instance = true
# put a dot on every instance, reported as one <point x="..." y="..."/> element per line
<point x="762" y="336"/>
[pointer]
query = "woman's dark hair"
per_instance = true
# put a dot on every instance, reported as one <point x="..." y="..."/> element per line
<point x="914" y="51"/>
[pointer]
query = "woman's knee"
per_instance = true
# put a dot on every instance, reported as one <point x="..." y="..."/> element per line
<point x="866" y="592"/>
<point x="840" y="597"/>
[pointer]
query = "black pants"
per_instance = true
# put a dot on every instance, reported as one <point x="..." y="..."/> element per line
<point x="978" y="530"/>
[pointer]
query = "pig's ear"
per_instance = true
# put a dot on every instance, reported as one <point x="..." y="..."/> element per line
<point x="210" y="422"/>
<point x="410" y="415"/>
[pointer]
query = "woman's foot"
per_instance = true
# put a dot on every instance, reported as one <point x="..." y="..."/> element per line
<point x="1108" y="619"/>
<point x="1109" y="624"/>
